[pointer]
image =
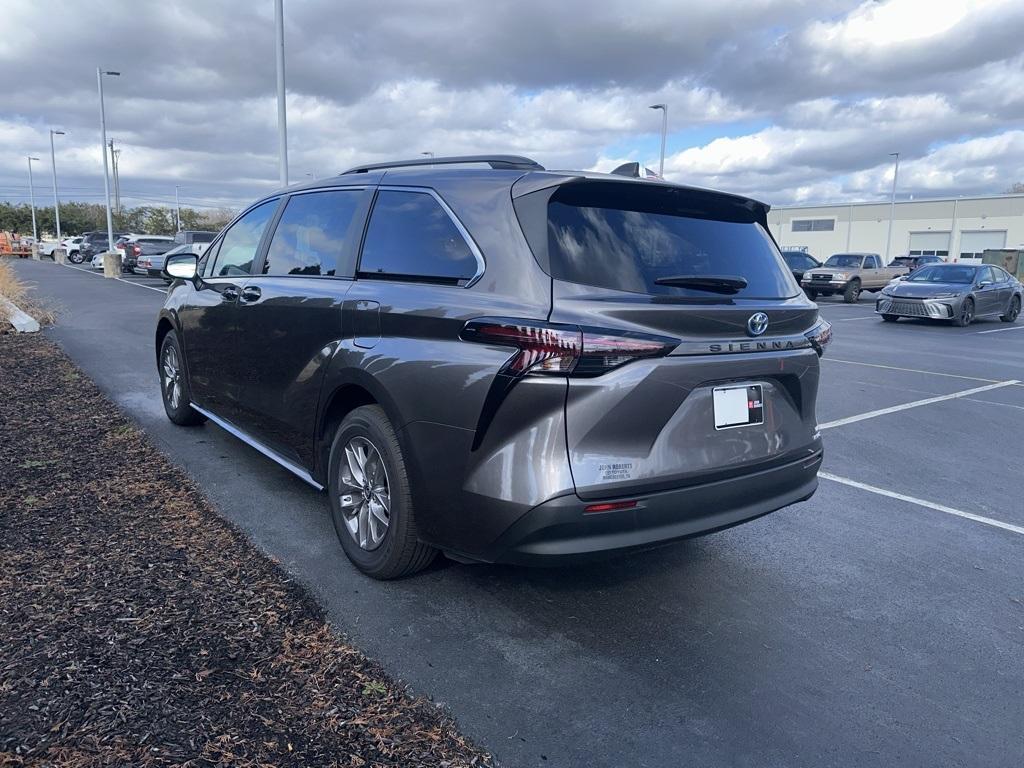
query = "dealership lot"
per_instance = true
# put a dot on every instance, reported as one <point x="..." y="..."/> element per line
<point x="880" y="623"/>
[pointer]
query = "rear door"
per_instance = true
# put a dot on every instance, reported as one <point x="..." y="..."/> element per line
<point x="613" y="250"/>
<point x="290" y="315"/>
<point x="209" y="316"/>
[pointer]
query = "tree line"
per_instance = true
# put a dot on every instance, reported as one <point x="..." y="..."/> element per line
<point x="76" y="218"/>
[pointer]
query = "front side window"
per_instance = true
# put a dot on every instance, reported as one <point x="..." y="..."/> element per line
<point x="412" y="236"/>
<point x="239" y="245"/>
<point x="312" y="234"/>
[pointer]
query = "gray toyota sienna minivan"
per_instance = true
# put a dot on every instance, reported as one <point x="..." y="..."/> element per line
<point x="479" y="356"/>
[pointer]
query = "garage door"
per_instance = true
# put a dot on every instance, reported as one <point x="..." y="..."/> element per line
<point x="929" y="244"/>
<point x="973" y="244"/>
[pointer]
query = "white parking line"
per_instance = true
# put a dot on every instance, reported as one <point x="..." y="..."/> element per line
<point x="907" y="370"/>
<point x="915" y="404"/>
<point x="1000" y="330"/>
<point x="850" y="319"/>
<point x="923" y="503"/>
<point x="119" y="279"/>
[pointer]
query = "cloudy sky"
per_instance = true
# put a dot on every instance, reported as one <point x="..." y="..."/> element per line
<point x="786" y="100"/>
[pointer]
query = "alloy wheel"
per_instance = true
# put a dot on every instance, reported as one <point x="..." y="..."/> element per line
<point x="365" y="493"/>
<point x="172" y="377"/>
<point x="1014" y="310"/>
<point x="967" y="312"/>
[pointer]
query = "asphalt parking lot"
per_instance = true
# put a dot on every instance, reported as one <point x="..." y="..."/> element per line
<point x="881" y="623"/>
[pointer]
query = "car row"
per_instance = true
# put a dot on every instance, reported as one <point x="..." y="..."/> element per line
<point x="956" y="292"/>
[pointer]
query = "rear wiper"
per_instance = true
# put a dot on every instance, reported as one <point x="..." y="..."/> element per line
<point x="712" y="283"/>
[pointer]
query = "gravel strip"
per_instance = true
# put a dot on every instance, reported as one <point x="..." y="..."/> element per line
<point x="139" y="628"/>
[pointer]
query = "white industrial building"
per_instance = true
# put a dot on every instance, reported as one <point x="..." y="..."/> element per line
<point x="954" y="228"/>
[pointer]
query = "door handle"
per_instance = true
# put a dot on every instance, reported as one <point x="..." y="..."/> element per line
<point x="230" y="293"/>
<point x="250" y="294"/>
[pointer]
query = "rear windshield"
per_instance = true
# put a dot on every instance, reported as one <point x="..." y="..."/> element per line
<point x="626" y="237"/>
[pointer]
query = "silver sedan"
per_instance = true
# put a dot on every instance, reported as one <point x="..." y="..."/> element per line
<point x="956" y="292"/>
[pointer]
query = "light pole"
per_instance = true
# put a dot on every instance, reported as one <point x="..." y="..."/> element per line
<point x="32" y="199"/>
<point x="110" y="267"/>
<point x="53" y="167"/>
<point x="177" y="210"/>
<point x="664" y="134"/>
<point x="892" y="204"/>
<point x="282" y="119"/>
<point x="428" y="154"/>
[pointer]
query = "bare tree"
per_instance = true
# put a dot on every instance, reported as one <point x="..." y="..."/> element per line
<point x="1017" y="188"/>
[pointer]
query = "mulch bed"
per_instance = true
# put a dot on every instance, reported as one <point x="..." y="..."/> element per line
<point x="139" y="628"/>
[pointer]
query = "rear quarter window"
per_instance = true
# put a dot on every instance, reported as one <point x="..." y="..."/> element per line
<point x="626" y="237"/>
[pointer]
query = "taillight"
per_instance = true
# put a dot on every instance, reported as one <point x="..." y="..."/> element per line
<point x="555" y="349"/>
<point x="820" y="336"/>
<point x="137" y="249"/>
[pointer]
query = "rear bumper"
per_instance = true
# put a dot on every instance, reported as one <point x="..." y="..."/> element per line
<point x="560" y="530"/>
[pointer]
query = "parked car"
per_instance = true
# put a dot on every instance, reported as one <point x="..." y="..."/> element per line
<point x="848" y="274"/>
<point x="459" y="379"/>
<point x="956" y="292"/>
<point x="47" y="247"/>
<point x="799" y="262"/>
<point x="913" y="262"/>
<point x="135" y="246"/>
<point x="187" y="236"/>
<point x="154" y="263"/>
<point x="94" y="243"/>
<point x="72" y="246"/>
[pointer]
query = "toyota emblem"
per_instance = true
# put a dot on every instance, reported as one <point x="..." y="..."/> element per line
<point x="757" y="324"/>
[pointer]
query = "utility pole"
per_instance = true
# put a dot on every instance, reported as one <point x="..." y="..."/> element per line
<point x="892" y="204"/>
<point x="177" y="210"/>
<point x="664" y="134"/>
<point x="32" y="199"/>
<point x="114" y="156"/>
<point x="53" y="167"/>
<point x="111" y="261"/>
<point x="282" y="119"/>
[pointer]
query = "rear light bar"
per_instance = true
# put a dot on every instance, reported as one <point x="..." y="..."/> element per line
<point x="609" y="506"/>
<point x="562" y="350"/>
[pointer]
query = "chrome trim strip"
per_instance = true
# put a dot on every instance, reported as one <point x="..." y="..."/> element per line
<point x="227" y="426"/>
<point x="481" y="265"/>
<point x="742" y="346"/>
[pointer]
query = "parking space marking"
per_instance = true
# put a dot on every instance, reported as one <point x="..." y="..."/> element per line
<point x="907" y="370"/>
<point x="849" y="319"/>
<point x="923" y="503"/>
<point x="915" y="404"/>
<point x="1000" y="330"/>
<point x="119" y="279"/>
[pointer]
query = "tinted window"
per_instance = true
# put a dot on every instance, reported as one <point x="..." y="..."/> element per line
<point x="626" y="237"/>
<point x="311" y="235"/>
<point x="873" y="262"/>
<point x="411" y="235"/>
<point x="935" y="274"/>
<point x="797" y="260"/>
<point x="240" y="243"/>
<point x="1001" y="274"/>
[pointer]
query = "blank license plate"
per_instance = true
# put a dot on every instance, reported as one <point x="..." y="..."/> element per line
<point x="738" y="406"/>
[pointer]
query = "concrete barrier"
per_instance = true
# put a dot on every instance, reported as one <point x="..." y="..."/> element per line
<point x="60" y="256"/>
<point x="111" y="264"/>
<point x="22" y="322"/>
<point x="35" y="251"/>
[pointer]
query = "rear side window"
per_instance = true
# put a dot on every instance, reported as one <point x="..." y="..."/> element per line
<point x="239" y="245"/>
<point x="313" y="233"/>
<point x="410" y="235"/>
<point x="626" y="237"/>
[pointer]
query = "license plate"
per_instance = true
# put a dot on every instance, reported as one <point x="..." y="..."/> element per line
<point x="738" y="406"/>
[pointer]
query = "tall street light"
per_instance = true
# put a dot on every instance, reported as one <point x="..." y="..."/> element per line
<point x="177" y="210"/>
<point x="664" y="134"/>
<point x="53" y="167"/>
<point x="32" y="198"/>
<point x="109" y="269"/>
<point x="282" y="119"/>
<point x="892" y="204"/>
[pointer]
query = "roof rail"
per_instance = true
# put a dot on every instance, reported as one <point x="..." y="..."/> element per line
<point x="503" y="162"/>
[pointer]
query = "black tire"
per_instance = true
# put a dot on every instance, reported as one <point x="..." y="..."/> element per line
<point x="399" y="552"/>
<point x="966" y="315"/>
<point x="852" y="292"/>
<point x="1013" y="312"/>
<point x="177" y="408"/>
<point x="75" y="257"/>
<point x="890" y="318"/>
<point x="811" y="293"/>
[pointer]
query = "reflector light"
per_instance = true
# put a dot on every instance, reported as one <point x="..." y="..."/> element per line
<point x="609" y="506"/>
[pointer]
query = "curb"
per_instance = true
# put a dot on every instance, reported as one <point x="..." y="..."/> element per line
<point x="22" y="322"/>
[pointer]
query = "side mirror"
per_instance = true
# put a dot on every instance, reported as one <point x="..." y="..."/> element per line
<point x="984" y="284"/>
<point x="181" y="266"/>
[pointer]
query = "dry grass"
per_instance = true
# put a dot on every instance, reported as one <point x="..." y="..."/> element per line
<point x="16" y="291"/>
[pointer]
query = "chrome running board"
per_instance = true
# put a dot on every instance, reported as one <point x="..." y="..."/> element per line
<point x="291" y="466"/>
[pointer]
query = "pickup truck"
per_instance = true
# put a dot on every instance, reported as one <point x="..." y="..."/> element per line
<point x="849" y="274"/>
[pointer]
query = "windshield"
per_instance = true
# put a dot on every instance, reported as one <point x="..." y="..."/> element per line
<point x="943" y="275"/>
<point x="629" y="238"/>
<point x="848" y="260"/>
